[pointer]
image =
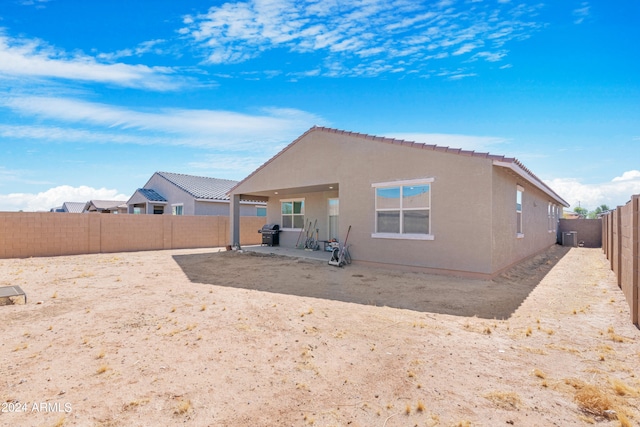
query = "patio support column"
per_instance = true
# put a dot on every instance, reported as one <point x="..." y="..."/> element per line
<point x="234" y="220"/>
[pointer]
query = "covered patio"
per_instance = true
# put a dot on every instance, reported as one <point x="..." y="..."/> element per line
<point x="297" y="210"/>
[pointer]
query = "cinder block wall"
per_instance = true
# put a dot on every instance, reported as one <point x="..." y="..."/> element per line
<point x="622" y="248"/>
<point x="589" y="231"/>
<point x="51" y="234"/>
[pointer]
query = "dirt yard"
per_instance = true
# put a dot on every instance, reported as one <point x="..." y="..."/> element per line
<point x="207" y="338"/>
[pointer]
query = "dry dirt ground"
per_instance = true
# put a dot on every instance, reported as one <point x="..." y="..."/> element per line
<point x="208" y="338"/>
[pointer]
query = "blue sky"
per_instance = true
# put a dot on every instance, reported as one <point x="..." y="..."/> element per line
<point x="96" y="96"/>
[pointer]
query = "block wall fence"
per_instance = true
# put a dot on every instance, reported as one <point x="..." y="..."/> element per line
<point x="40" y="234"/>
<point x="621" y="245"/>
<point x="589" y="231"/>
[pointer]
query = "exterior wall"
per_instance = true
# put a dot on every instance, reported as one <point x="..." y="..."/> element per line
<point x="222" y="208"/>
<point x="51" y="234"/>
<point x="507" y="247"/>
<point x="316" y="209"/>
<point x="173" y="194"/>
<point x="589" y="231"/>
<point x="460" y="209"/>
<point x="212" y="208"/>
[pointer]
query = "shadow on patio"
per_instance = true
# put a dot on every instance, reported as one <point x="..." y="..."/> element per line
<point x="267" y="272"/>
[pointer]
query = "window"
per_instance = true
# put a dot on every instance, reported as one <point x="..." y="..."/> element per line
<point x="519" y="192"/>
<point x="292" y="213"/>
<point x="176" y="209"/>
<point x="403" y="209"/>
<point x="261" y="211"/>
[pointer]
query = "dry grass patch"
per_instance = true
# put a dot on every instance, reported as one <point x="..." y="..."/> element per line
<point x="134" y="404"/>
<point x="183" y="407"/>
<point x="593" y="400"/>
<point x="538" y="373"/>
<point x="102" y="369"/>
<point x="504" y="400"/>
<point x="623" y="389"/>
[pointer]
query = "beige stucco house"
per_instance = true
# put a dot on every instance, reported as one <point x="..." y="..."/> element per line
<point x="410" y="205"/>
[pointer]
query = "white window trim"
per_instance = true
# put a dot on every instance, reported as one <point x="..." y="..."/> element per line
<point x="401" y="236"/>
<point x="300" y="199"/>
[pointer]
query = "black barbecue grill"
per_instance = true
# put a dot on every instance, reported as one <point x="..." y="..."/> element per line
<point x="270" y="234"/>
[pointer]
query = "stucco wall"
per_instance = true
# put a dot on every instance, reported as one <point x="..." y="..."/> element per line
<point x="538" y="234"/>
<point x="52" y="234"/>
<point x="460" y="211"/>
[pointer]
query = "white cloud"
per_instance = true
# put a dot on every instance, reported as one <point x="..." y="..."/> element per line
<point x="150" y="46"/>
<point x="228" y="166"/>
<point x="27" y="58"/>
<point x="108" y="123"/>
<point x="581" y="13"/>
<point x="613" y="193"/>
<point x="353" y="36"/>
<point x="465" y="142"/>
<point x="55" y="197"/>
<point x="627" y="176"/>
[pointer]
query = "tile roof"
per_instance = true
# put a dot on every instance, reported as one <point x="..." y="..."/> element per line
<point x="105" y="204"/>
<point x="73" y="207"/>
<point x="151" y="195"/>
<point x="200" y="187"/>
<point x="496" y="158"/>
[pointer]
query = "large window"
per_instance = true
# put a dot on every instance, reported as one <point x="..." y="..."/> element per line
<point x="403" y="209"/>
<point x="519" y="191"/>
<point x="292" y="213"/>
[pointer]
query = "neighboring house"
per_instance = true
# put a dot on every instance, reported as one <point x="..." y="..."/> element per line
<point x="571" y="215"/>
<point x="410" y="205"/>
<point x="73" y="207"/>
<point x="179" y="194"/>
<point x="105" y="206"/>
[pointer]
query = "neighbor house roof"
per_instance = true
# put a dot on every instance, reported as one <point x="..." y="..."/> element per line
<point x="151" y="195"/>
<point x="200" y="187"/>
<point x="73" y="207"/>
<point x="104" y="204"/>
<point x="508" y="162"/>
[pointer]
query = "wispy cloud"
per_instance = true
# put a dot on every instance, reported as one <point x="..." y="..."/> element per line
<point x="149" y="46"/>
<point x="581" y="13"/>
<point x="32" y="58"/>
<point x="363" y="37"/>
<point x="78" y="120"/>
<point x="56" y="196"/>
<point x="613" y="193"/>
<point x="39" y="4"/>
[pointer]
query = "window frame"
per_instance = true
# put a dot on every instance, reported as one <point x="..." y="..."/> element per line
<point x="174" y="209"/>
<point x="400" y="184"/>
<point x="519" y="218"/>
<point x="302" y="214"/>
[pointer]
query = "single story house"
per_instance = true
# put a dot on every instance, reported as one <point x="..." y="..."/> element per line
<point x="179" y="194"/>
<point x="105" y="206"/>
<point x="411" y="205"/>
<point x="73" y="207"/>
